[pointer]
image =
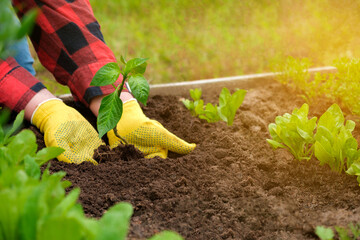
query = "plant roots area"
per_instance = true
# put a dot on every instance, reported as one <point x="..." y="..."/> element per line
<point x="232" y="186"/>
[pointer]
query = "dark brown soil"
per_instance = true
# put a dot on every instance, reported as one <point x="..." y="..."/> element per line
<point x="232" y="186"/>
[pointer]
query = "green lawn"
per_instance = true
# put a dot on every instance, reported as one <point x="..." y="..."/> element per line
<point x="191" y="40"/>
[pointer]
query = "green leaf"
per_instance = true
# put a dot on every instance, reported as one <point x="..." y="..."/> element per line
<point x="332" y="119"/>
<point x="47" y="154"/>
<point x="238" y="98"/>
<point x="324" y="233"/>
<point x="24" y="143"/>
<point x="17" y="123"/>
<point x="188" y="104"/>
<point x="59" y="228"/>
<point x="32" y="169"/>
<point x="106" y="75"/>
<point x="110" y="112"/>
<point x="114" y="223"/>
<point x="199" y="107"/>
<point x="210" y="114"/>
<point x="354" y="169"/>
<point x="67" y="203"/>
<point x="122" y="59"/>
<point x="166" y="235"/>
<point x="27" y="24"/>
<point x="275" y="144"/>
<point x="322" y="154"/>
<point x="135" y="66"/>
<point x="195" y="94"/>
<point x="228" y="104"/>
<point x="139" y="88"/>
<point x="350" y="125"/>
<point x="343" y="233"/>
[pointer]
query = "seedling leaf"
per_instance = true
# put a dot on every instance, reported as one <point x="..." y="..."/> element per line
<point x="110" y="112"/>
<point x="48" y="153"/>
<point x="115" y="222"/>
<point x="135" y="66"/>
<point x="324" y="233"/>
<point x="31" y="167"/>
<point x="17" y="123"/>
<point x="106" y="75"/>
<point x="139" y="88"/>
<point x="122" y="59"/>
<point x="166" y="235"/>
<point x="195" y="94"/>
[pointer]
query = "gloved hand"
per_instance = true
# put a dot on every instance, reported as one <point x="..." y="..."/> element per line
<point x="65" y="127"/>
<point x="149" y="136"/>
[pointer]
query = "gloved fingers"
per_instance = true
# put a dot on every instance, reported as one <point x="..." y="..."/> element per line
<point x="150" y="152"/>
<point x="79" y="139"/>
<point x="79" y="160"/>
<point x="165" y="139"/>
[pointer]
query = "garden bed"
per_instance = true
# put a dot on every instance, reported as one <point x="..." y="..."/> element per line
<point x="232" y="186"/>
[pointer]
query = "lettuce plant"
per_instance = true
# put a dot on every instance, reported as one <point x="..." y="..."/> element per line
<point x="294" y="71"/>
<point x="228" y="105"/>
<point x="335" y="144"/>
<point x="294" y="132"/>
<point x="196" y="106"/>
<point x="34" y="206"/>
<point x="352" y="231"/>
<point x="111" y="107"/>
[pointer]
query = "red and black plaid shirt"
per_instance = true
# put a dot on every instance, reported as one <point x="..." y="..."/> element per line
<point x="69" y="43"/>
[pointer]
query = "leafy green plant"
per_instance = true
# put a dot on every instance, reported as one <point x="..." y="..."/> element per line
<point x="111" y="107"/>
<point x="196" y="106"/>
<point x="335" y="144"/>
<point x="33" y="205"/>
<point x="346" y="86"/>
<point x="294" y="72"/>
<point x="228" y="105"/>
<point x="10" y="30"/>
<point x="294" y="132"/>
<point x="351" y="232"/>
<point x="324" y="233"/>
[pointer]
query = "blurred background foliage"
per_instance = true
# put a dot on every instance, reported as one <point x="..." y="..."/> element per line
<point x="191" y="40"/>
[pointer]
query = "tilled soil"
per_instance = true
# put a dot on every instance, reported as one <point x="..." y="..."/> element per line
<point x="232" y="186"/>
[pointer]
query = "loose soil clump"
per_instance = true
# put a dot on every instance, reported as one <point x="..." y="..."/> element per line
<point x="232" y="186"/>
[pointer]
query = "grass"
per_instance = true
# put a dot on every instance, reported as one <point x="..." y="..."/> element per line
<point x="190" y="40"/>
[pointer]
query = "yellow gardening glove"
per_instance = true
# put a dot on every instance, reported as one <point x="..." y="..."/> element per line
<point x="149" y="136"/>
<point x="65" y="127"/>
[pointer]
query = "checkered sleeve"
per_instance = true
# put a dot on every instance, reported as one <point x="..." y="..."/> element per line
<point x="69" y="43"/>
<point x="17" y="85"/>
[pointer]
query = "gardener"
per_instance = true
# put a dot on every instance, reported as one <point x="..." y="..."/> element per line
<point x="69" y="44"/>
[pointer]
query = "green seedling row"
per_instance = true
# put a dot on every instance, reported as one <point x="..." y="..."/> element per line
<point x="330" y="139"/>
<point x="226" y="110"/>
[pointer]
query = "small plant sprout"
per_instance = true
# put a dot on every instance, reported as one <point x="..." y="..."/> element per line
<point x="111" y="107"/>
<point x="335" y="144"/>
<point x="228" y="105"/>
<point x="294" y="132"/>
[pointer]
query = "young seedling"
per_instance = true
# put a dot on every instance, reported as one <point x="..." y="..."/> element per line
<point x="111" y="107"/>
<point x="294" y="132"/>
<point x="228" y="105"/>
<point x="350" y="232"/>
<point x="195" y="106"/>
<point x="335" y="144"/>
